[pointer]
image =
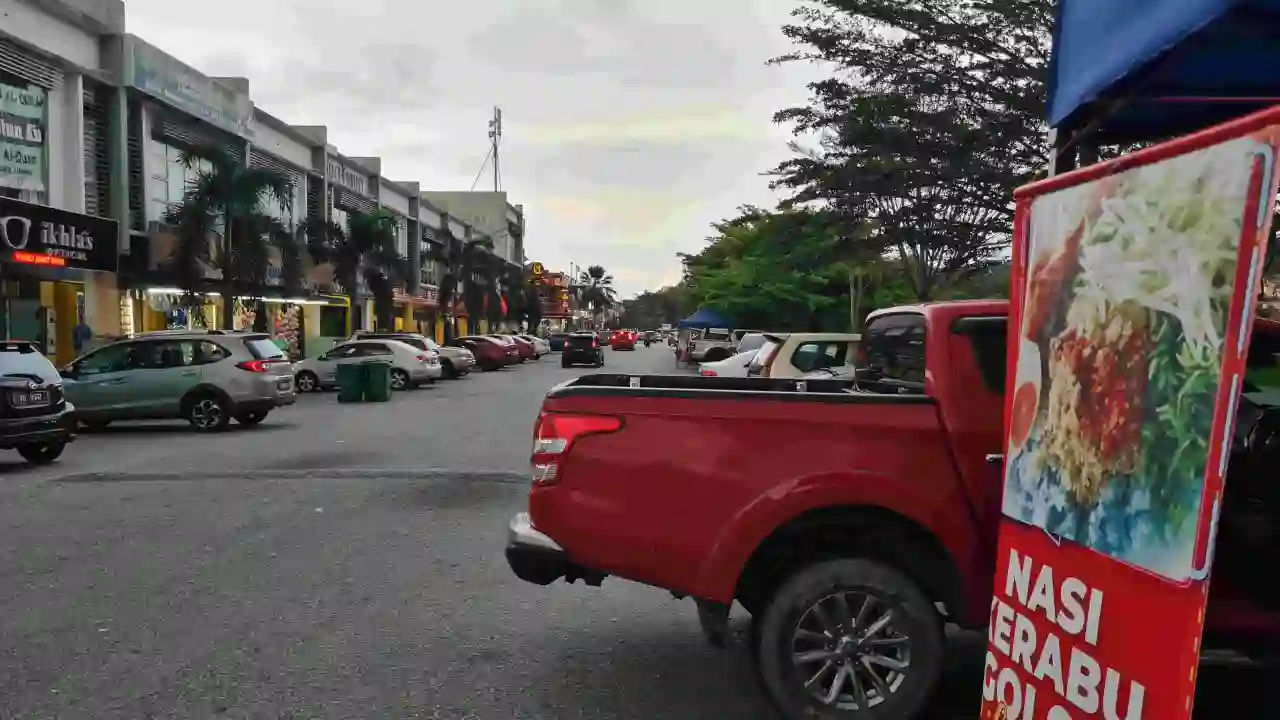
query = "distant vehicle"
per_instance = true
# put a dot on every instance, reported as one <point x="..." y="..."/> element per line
<point x="207" y="377"/>
<point x="410" y="366"/>
<point x="582" y="349"/>
<point x="454" y="361"/>
<point x="540" y="346"/>
<point x="735" y="366"/>
<point x="556" y="341"/>
<point x="35" y="417"/>
<point x="623" y="340"/>
<point x="712" y="345"/>
<point x="511" y="353"/>
<point x="489" y="353"/>
<point x="524" y="349"/>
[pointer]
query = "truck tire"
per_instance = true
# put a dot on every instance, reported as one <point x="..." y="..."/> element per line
<point x="849" y="639"/>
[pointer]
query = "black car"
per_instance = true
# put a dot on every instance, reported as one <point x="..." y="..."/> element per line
<point x="556" y="341"/>
<point x="582" y="349"/>
<point x="35" y="418"/>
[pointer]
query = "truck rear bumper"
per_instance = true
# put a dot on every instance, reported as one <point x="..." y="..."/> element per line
<point x="538" y="559"/>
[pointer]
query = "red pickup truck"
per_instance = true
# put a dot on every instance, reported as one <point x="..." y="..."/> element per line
<point x="852" y="522"/>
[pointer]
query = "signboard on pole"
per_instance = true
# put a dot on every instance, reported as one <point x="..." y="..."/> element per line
<point x="1134" y="292"/>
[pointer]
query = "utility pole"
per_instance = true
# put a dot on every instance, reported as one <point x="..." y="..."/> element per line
<point x="495" y="138"/>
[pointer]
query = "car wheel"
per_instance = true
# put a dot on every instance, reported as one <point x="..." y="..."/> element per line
<point x="306" y="381"/>
<point x="399" y="379"/>
<point x="849" y="639"/>
<point x="207" y="413"/>
<point x="564" y="363"/>
<point x="41" y="453"/>
<point x="251" y="418"/>
<point x="447" y="370"/>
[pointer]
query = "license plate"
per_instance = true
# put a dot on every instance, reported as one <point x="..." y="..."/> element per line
<point x="29" y="398"/>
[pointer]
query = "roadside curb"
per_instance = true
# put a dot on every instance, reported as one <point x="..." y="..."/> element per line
<point x="260" y="475"/>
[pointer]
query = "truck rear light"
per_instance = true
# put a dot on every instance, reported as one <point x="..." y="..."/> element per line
<point x="554" y="435"/>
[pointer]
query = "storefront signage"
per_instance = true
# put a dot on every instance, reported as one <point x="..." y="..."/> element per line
<point x="39" y="235"/>
<point x="23" y="117"/>
<point x="1134" y="293"/>
<point x="347" y="177"/>
<point x="178" y="84"/>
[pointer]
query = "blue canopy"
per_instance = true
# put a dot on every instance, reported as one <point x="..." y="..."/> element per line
<point x="705" y="318"/>
<point x="1175" y="65"/>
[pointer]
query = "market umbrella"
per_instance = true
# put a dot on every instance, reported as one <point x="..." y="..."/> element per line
<point x="1142" y="71"/>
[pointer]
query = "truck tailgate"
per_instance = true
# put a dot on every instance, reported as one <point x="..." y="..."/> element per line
<point x="699" y="473"/>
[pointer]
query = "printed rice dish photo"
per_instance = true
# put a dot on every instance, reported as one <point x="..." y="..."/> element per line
<point x="1129" y="286"/>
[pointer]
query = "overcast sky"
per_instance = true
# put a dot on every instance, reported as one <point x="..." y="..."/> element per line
<point x="629" y="125"/>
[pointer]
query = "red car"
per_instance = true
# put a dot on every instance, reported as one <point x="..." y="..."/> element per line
<point x="623" y="340"/>
<point x="524" y="348"/>
<point x="490" y="354"/>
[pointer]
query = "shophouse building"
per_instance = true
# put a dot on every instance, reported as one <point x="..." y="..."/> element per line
<point x="491" y="214"/>
<point x="58" y="243"/>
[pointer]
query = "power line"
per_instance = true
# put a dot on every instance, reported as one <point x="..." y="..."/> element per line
<point x="483" y="165"/>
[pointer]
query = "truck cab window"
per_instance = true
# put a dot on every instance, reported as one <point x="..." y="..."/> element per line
<point x="894" y="351"/>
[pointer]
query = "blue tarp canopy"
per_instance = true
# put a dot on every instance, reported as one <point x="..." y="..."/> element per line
<point x="1174" y="65"/>
<point x="705" y="318"/>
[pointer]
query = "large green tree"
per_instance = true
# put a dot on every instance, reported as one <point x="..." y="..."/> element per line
<point x="930" y="118"/>
<point x="224" y="222"/>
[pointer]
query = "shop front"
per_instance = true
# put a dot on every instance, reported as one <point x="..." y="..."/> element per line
<point x="418" y="313"/>
<point x="46" y="255"/>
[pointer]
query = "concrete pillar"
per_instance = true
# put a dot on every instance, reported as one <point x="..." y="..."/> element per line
<point x="66" y="152"/>
<point x="118" y="150"/>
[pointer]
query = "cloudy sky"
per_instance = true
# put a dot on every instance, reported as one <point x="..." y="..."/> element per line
<point x="629" y="125"/>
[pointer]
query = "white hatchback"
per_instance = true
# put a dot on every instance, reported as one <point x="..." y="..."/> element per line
<point x="410" y="367"/>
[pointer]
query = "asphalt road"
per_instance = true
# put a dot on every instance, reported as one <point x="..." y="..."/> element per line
<point x="338" y="562"/>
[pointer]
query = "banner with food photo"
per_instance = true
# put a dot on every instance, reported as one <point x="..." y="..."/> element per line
<point x="1134" y="292"/>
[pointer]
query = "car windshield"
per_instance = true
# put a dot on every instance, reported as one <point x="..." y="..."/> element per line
<point x="581" y="340"/>
<point x="24" y="360"/>
<point x="715" y="334"/>
<point x="264" y="348"/>
<point x="752" y="341"/>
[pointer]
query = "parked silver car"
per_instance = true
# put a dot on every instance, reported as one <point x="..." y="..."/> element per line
<point x="207" y="377"/>
<point x="454" y="361"/>
<point x="410" y="367"/>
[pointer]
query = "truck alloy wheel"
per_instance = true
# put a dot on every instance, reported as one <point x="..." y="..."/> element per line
<point x="849" y="638"/>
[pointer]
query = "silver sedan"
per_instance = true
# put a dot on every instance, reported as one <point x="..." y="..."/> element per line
<point x="410" y="367"/>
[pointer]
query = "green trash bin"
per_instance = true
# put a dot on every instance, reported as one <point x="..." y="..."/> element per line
<point x="351" y="382"/>
<point x="377" y="380"/>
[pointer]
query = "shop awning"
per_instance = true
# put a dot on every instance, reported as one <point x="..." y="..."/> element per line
<point x="705" y="318"/>
<point x="1138" y="71"/>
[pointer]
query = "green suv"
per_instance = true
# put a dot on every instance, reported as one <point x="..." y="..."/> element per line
<point x="207" y="377"/>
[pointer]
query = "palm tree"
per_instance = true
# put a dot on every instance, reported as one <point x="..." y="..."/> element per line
<point x="229" y="198"/>
<point x="595" y="289"/>
<point x="460" y="257"/>
<point x="365" y="247"/>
